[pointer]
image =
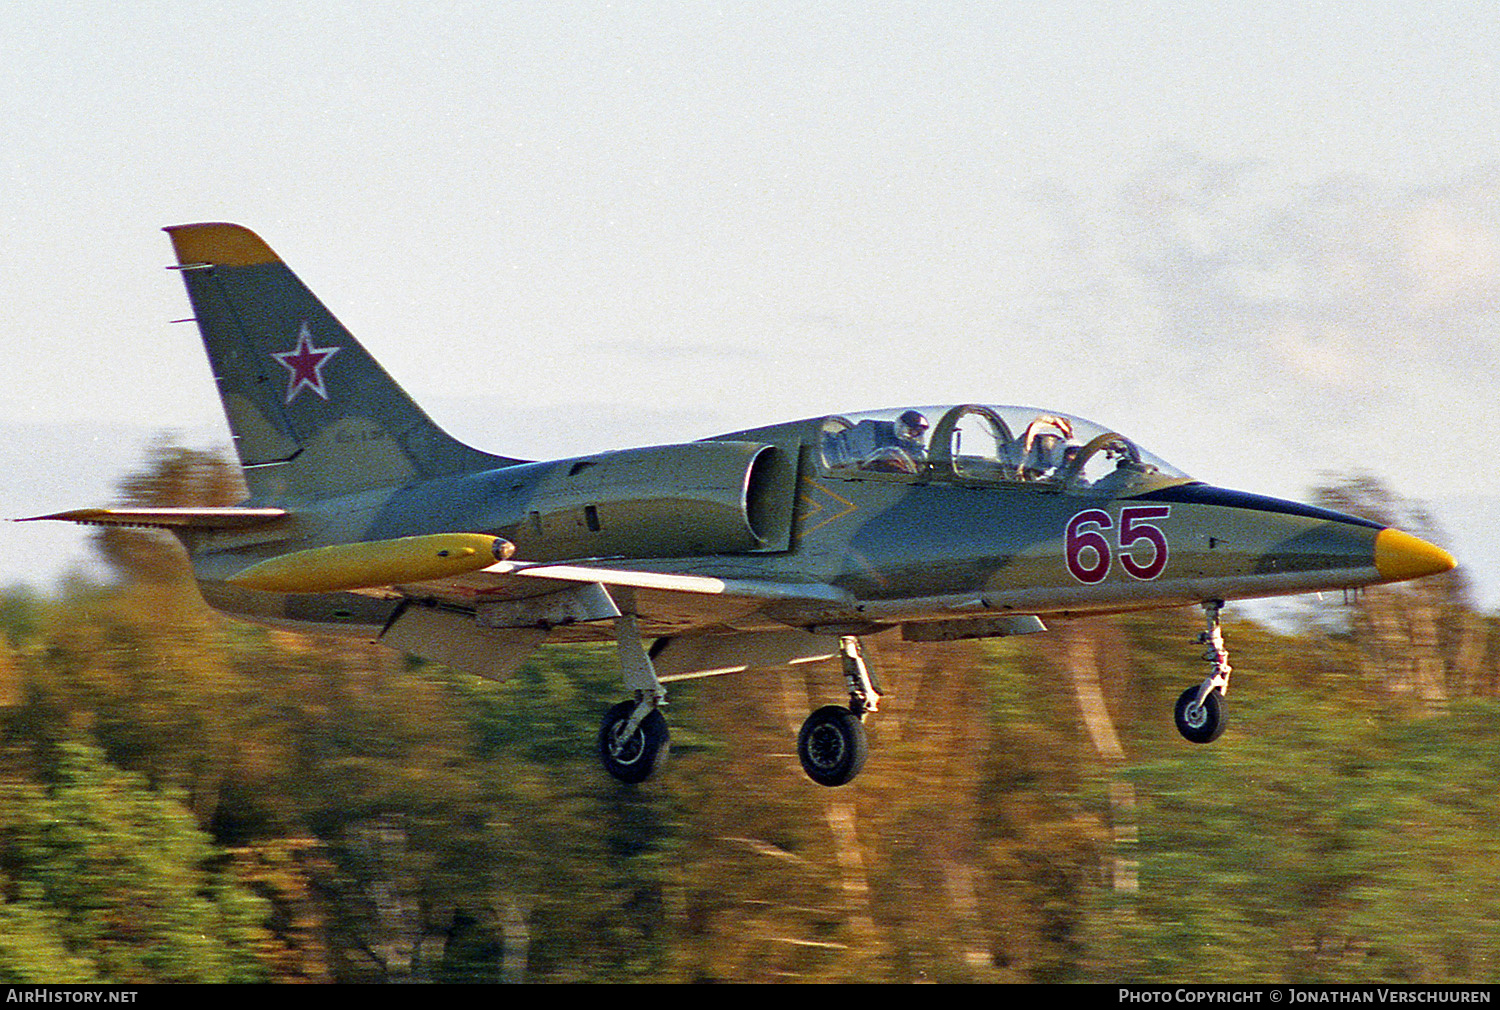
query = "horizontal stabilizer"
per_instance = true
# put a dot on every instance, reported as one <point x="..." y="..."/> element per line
<point x="168" y="518"/>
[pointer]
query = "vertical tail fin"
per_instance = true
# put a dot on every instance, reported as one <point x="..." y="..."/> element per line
<point x="312" y="413"/>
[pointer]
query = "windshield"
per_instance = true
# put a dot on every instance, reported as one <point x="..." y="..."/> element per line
<point x="988" y="444"/>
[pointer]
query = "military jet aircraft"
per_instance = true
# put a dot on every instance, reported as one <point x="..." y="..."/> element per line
<point x="777" y="545"/>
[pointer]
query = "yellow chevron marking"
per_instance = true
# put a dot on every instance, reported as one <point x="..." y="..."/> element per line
<point x="814" y="507"/>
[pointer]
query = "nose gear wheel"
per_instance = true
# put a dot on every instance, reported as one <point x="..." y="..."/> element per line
<point x="1200" y="712"/>
<point x="1200" y="722"/>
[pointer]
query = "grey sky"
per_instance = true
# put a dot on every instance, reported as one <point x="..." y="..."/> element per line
<point x="1265" y="241"/>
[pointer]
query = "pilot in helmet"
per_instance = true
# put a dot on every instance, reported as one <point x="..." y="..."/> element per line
<point x="911" y="435"/>
<point x="1045" y="447"/>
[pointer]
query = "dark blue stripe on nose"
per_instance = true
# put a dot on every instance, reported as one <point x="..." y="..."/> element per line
<point x="1207" y="494"/>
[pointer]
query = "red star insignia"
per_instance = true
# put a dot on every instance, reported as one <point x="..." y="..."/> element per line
<point x="305" y="364"/>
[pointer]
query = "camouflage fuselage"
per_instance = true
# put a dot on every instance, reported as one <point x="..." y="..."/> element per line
<point x="902" y="549"/>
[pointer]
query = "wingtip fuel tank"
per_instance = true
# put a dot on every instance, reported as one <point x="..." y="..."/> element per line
<point x="402" y="561"/>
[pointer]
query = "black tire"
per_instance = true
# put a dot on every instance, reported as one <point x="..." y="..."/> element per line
<point x="1200" y="724"/>
<point x="633" y="759"/>
<point x="833" y="745"/>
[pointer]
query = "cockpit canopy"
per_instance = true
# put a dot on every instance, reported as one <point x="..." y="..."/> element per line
<point x="974" y="443"/>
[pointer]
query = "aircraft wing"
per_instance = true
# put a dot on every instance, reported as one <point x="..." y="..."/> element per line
<point x="488" y="621"/>
<point x="577" y="600"/>
<point x="673" y="582"/>
<point x="501" y="604"/>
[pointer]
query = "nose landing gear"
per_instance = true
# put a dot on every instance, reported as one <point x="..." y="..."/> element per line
<point x="1200" y="712"/>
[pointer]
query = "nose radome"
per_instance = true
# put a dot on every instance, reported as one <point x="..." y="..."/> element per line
<point x="1400" y="556"/>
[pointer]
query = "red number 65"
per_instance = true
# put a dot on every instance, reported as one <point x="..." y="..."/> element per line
<point x="1088" y="551"/>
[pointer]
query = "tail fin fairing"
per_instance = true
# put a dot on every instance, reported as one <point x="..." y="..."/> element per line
<point x="313" y="415"/>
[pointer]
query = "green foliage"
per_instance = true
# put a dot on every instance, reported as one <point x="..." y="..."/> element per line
<point x="171" y="476"/>
<point x="398" y="820"/>
<point x="588" y="858"/>
<point x="108" y="881"/>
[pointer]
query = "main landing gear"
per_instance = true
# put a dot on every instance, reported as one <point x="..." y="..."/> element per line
<point x="634" y="741"/>
<point x="1200" y="712"/>
<point x="632" y="753"/>
<point x="633" y="738"/>
<point x="833" y="744"/>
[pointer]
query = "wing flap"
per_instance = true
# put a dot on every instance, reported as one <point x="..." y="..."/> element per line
<point x="457" y="641"/>
<point x="667" y="603"/>
<point x="673" y="582"/>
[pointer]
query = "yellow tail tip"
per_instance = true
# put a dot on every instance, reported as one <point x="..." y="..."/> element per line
<point x="223" y="245"/>
<point x="1400" y="556"/>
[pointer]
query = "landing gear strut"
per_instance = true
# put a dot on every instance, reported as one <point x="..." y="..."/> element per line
<point x="833" y="744"/>
<point x="1200" y="712"/>
<point x="633" y="739"/>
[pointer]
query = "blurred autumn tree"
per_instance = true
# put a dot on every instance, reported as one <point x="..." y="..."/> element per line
<point x="1422" y="640"/>
<point x="172" y="475"/>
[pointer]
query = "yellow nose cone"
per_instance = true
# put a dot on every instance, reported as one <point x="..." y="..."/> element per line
<point x="1401" y="556"/>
